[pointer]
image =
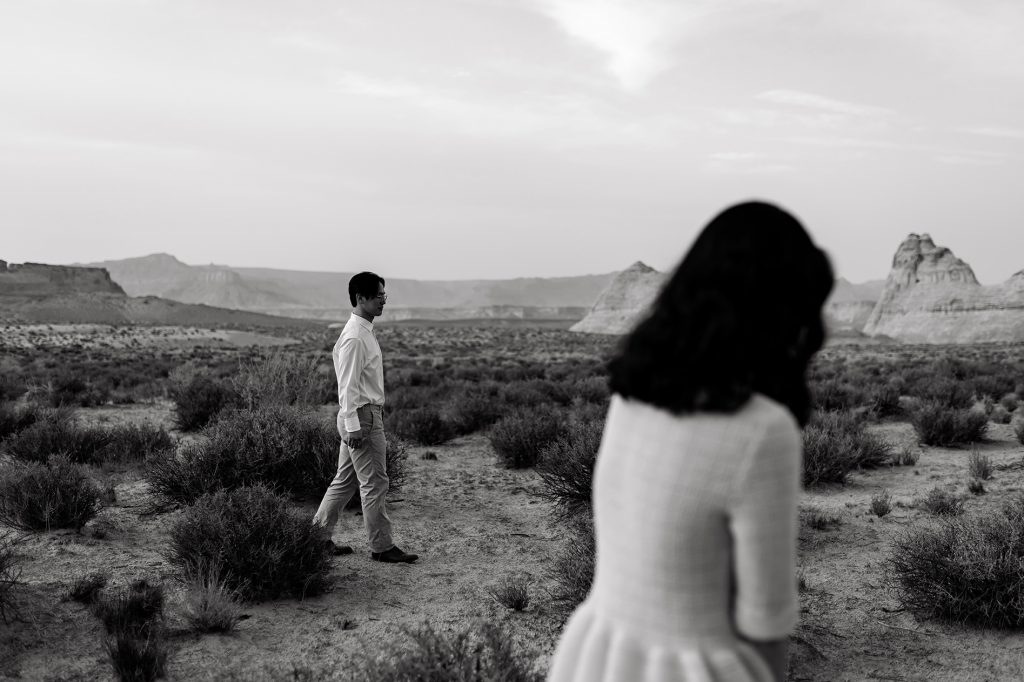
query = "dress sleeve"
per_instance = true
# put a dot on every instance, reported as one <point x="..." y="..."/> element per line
<point x="763" y="522"/>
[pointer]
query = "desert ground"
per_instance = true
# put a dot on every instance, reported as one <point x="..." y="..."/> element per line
<point x="473" y="522"/>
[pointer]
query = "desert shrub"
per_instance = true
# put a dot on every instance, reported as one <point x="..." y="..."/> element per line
<point x="10" y="573"/>
<point x="979" y="466"/>
<point x="566" y="467"/>
<point x="282" y="447"/>
<point x="592" y="390"/>
<point x="836" y="443"/>
<point x="86" y="588"/>
<point x="1000" y="415"/>
<point x="58" y="494"/>
<point x="136" y="611"/>
<point x="199" y="400"/>
<point x="1009" y="401"/>
<point x="573" y="570"/>
<point x="15" y="418"/>
<point x="938" y="424"/>
<point x="261" y="547"/>
<point x="512" y="591"/>
<point x="135" y="659"/>
<point x="73" y="389"/>
<point x="280" y="378"/>
<point x="881" y="503"/>
<point x="526" y="394"/>
<point x="477" y="653"/>
<point x="835" y="394"/>
<point x="975" y="487"/>
<point x="423" y="425"/>
<point x="210" y="605"/>
<point x="820" y="520"/>
<point x="397" y="458"/>
<point x="520" y="437"/>
<point x="12" y="386"/>
<point x="905" y="456"/>
<point x="964" y="570"/>
<point x="884" y="401"/>
<point x="475" y="409"/>
<point x="135" y="442"/>
<point x="941" y="503"/>
<point x="945" y="391"/>
<point x="1018" y="430"/>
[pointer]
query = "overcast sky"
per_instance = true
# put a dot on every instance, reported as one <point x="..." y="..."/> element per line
<point x="498" y="138"/>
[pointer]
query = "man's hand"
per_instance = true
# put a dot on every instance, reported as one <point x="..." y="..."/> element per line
<point x="353" y="439"/>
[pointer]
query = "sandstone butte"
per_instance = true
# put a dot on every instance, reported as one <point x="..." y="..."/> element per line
<point x="931" y="296"/>
<point x="623" y="301"/>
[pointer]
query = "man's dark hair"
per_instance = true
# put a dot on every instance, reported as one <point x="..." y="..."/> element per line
<point x="741" y="314"/>
<point x="365" y="284"/>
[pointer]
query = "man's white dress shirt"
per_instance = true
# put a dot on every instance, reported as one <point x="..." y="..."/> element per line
<point x="360" y="369"/>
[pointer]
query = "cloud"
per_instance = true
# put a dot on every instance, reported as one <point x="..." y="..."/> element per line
<point x="809" y="100"/>
<point x="635" y="35"/>
<point x="994" y="131"/>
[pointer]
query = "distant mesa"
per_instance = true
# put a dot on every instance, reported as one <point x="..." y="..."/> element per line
<point x="623" y="301"/>
<point x="931" y="296"/>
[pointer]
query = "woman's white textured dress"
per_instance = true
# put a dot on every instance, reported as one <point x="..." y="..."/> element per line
<point x="696" y="524"/>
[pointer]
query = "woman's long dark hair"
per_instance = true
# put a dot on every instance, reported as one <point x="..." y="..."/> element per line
<point x="741" y="314"/>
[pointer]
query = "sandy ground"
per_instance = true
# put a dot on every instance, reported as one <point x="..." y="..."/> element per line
<point x="473" y="522"/>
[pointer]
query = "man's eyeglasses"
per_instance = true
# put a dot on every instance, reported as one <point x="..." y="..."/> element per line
<point x="382" y="297"/>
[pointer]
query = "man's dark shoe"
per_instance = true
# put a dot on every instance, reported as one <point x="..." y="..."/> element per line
<point x="394" y="556"/>
<point x="338" y="550"/>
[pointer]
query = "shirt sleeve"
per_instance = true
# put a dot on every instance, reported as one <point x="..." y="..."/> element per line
<point x="763" y="522"/>
<point x="351" y="358"/>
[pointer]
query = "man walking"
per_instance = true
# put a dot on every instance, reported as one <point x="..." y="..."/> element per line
<point x="362" y="461"/>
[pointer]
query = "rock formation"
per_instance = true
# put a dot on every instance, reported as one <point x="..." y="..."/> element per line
<point x="931" y="296"/>
<point x="37" y="279"/>
<point x="849" y="306"/>
<point x="623" y="301"/>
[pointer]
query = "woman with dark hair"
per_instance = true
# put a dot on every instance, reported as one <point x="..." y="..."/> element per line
<point x="697" y="477"/>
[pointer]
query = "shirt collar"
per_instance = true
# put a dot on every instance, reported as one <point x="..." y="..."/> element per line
<point x="365" y="324"/>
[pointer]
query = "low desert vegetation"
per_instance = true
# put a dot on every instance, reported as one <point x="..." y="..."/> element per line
<point x="210" y="605"/>
<point x="283" y="378"/>
<point x="964" y="570"/>
<point x="58" y="494"/>
<point x="259" y="545"/>
<point x="1018" y="430"/>
<point x="942" y="425"/>
<point x="979" y="466"/>
<point x="817" y="519"/>
<point x="479" y="653"/>
<point x="520" y="438"/>
<point x="55" y="432"/>
<point x="566" y="467"/>
<point x="941" y="503"/>
<point x="133" y="617"/>
<point x="284" y="447"/>
<point x="10" y="573"/>
<point x="976" y="487"/>
<point x="199" y="400"/>
<point x="881" y="503"/>
<point x="573" y="570"/>
<point x="512" y="591"/>
<point x="86" y="588"/>
<point x="423" y="425"/>
<point x="836" y="443"/>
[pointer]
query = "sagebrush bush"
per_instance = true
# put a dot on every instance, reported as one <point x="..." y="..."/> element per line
<point x="136" y="610"/>
<point x="975" y="487"/>
<point x="1000" y="415"/>
<point x="15" y="418"/>
<point x="58" y="494"/>
<point x="964" y="570"/>
<point x="881" y="503"/>
<point x="281" y="378"/>
<point x="210" y="605"/>
<point x="836" y="443"/>
<point x="947" y="392"/>
<point x="135" y="659"/>
<point x="884" y="401"/>
<point x="819" y="520"/>
<point x="283" y="447"/>
<point x="566" y="467"/>
<point x="56" y="432"/>
<point x="130" y="443"/>
<point x="834" y="394"/>
<point x="478" y="653"/>
<point x="198" y="401"/>
<point x="941" y="503"/>
<point x="573" y="570"/>
<point x="424" y="425"/>
<point x="70" y="388"/>
<point x="10" y="573"/>
<point x="938" y="424"/>
<point x="11" y="387"/>
<point x="1010" y="402"/>
<point x="474" y="409"/>
<point x="1018" y="430"/>
<point x="260" y="547"/>
<point x="86" y="588"/>
<point x="979" y="466"/>
<point x="512" y="591"/>
<point x="519" y="438"/>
